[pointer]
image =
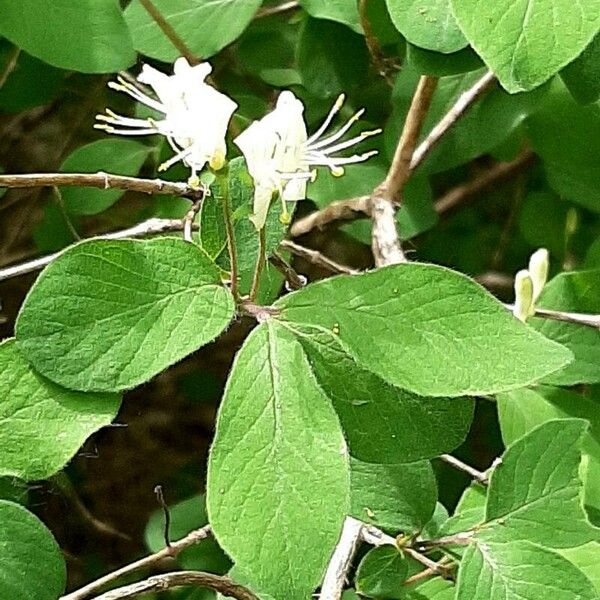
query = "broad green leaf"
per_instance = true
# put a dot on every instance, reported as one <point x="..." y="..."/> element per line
<point x="113" y="155"/>
<point x="32" y="565"/>
<point x="400" y="498"/>
<point x="433" y="526"/>
<point x="432" y="589"/>
<point x="87" y="35"/>
<point x="278" y="475"/>
<point x="587" y="559"/>
<point x="428" y="62"/>
<point x="429" y="24"/>
<point x="426" y="329"/>
<point x="381" y="573"/>
<point x="341" y="11"/>
<point x="407" y="427"/>
<point x="469" y="512"/>
<point x="130" y="309"/>
<point x="566" y="136"/>
<point x="524" y="43"/>
<point x="487" y="124"/>
<point x="535" y="491"/>
<point x="514" y="569"/>
<point x="577" y="291"/>
<point x="323" y="51"/>
<point x="206" y="26"/>
<point x="42" y="425"/>
<point x="186" y="516"/>
<point x="582" y="76"/>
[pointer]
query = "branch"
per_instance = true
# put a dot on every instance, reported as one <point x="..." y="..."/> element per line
<point x="189" y="218"/>
<point x="461" y="466"/>
<point x="158" y="583"/>
<point x="149" y="561"/>
<point x="104" y="181"/>
<point x="497" y="173"/>
<point x="293" y="281"/>
<point x="385" y="241"/>
<point x="268" y="11"/>
<point x="316" y="258"/>
<point x="356" y="207"/>
<point x="170" y="32"/>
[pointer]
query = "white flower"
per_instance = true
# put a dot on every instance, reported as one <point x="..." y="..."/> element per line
<point x="529" y="284"/>
<point x="280" y="155"/>
<point x="195" y="119"/>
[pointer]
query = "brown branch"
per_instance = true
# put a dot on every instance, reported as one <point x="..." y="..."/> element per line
<point x="147" y="562"/>
<point x="104" y="181"/>
<point x="189" y="218"/>
<point x="268" y="11"/>
<point x="355" y="208"/>
<point x="158" y="583"/>
<point x="170" y="32"/>
<point x="440" y="567"/>
<point x="316" y="258"/>
<point x="385" y="241"/>
<point x="293" y="281"/>
<point x="461" y="466"/>
<point x="498" y="172"/>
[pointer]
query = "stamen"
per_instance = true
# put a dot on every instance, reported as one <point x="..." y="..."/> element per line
<point x="136" y="94"/>
<point x="175" y="159"/>
<point x="334" y="110"/>
<point x="326" y="161"/>
<point x="120" y="120"/>
<point x="111" y="129"/>
<point x="339" y="133"/>
<point x="351" y="142"/>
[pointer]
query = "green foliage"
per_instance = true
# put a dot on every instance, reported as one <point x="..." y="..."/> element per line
<point x="207" y="26"/>
<point x="87" y="35"/>
<point x="582" y="76"/>
<point x="430" y="25"/>
<point x="426" y="329"/>
<point x="524" y="44"/>
<point x="131" y="309"/>
<point x="293" y="489"/>
<point x="32" y="565"/>
<point x="32" y="447"/>
<point x="381" y="573"/>
<point x="111" y="155"/>
<point x="334" y="10"/>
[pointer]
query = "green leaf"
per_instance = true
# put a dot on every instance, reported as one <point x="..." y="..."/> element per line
<point x="432" y="589"/>
<point x="429" y="24"/>
<point x="186" y="516"/>
<point x="486" y="125"/>
<point x="519" y="569"/>
<point x="426" y="329"/>
<point x="381" y="573"/>
<point x="206" y="26"/>
<point x="400" y="498"/>
<point x="278" y="475"/>
<point x="41" y="424"/>
<point x="566" y="136"/>
<point x="587" y="559"/>
<point x="341" y="11"/>
<point x="524" y="43"/>
<point x="87" y="35"/>
<point x="32" y="565"/>
<point x="323" y="51"/>
<point x="114" y="155"/>
<point x="131" y="308"/>
<point x="407" y="427"/>
<point x="582" y="76"/>
<point x="534" y="492"/>
<point x="576" y="291"/>
<point x="428" y="62"/>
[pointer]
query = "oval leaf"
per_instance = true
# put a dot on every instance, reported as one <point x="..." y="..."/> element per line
<point x="427" y="329"/>
<point x="109" y="315"/>
<point x="32" y="565"/>
<point x="86" y="35"/>
<point x="381" y="573"/>
<point x="42" y="425"/>
<point x="278" y="475"/>
<point x="525" y="42"/>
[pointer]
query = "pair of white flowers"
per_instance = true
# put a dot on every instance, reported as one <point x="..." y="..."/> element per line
<point x="279" y="154"/>
<point x="529" y="284"/>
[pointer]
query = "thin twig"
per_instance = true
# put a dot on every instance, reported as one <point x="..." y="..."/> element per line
<point x="567" y="317"/>
<point x="356" y="207"/>
<point x="498" y="172"/>
<point x="11" y="63"/>
<point x="190" y="216"/>
<point x="461" y="466"/>
<point x="150" y="227"/>
<point x="341" y="560"/>
<point x="104" y="181"/>
<point x="144" y="563"/>
<point x="316" y="258"/>
<point x="158" y="583"/>
<point x="158" y="490"/>
<point x="442" y="565"/>
<point x="293" y="280"/>
<point x="385" y="240"/>
<point x="261" y="260"/>
<point x="170" y="32"/>
<point x="268" y="11"/>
